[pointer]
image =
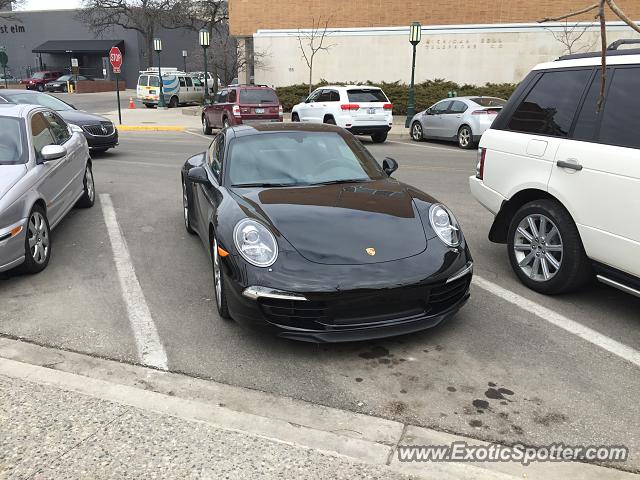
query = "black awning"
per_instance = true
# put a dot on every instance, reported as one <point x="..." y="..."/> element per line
<point x="79" y="46"/>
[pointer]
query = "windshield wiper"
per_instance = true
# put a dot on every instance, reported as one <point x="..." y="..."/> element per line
<point x="345" y="180"/>
<point x="263" y="185"/>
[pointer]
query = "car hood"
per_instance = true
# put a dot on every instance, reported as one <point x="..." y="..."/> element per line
<point x="337" y="224"/>
<point x="9" y="176"/>
<point x="80" y="117"/>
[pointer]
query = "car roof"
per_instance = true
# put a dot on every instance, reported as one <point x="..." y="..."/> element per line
<point x="365" y="87"/>
<point x="16" y="110"/>
<point x="261" y="128"/>
<point x="615" y="57"/>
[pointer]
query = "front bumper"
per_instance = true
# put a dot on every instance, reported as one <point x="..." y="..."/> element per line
<point x="12" y="248"/>
<point x="367" y="307"/>
<point x="368" y="129"/>
<point x="102" y="141"/>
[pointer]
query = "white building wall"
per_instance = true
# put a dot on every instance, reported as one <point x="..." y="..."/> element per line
<point x="474" y="54"/>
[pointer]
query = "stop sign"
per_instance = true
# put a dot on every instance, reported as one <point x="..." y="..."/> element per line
<point x="115" y="57"/>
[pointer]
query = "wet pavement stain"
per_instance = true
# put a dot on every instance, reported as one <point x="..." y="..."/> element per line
<point x="550" y="418"/>
<point x="491" y="384"/>
<point x="452" y="389"/>
<point x="481" y="404"/>
<point x="375" y="352"/>
<point x="475" y="423"/>
<point x="498" y="394"/>
<point x="358" y="379"/>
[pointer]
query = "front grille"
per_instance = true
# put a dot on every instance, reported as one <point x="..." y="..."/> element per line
<point x="335" y="311"/>
<point x="103" y="130"/>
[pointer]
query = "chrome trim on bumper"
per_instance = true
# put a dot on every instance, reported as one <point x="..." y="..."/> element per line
<point x="468" y="268"/>
<point x="256" y="292"/>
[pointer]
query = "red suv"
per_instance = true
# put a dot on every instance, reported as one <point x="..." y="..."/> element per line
<point x="39" y="79"/>
<point x="241" y="104"/>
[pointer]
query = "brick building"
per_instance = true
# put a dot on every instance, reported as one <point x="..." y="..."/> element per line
<point x="468" y="41"/>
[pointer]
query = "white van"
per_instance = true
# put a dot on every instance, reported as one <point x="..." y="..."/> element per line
<point x="178" y="88"/>
<point x="562" y="177"/>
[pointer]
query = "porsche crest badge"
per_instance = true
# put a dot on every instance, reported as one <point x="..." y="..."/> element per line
<point x="370" y="251"/>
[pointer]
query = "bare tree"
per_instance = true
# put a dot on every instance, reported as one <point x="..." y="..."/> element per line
<point x="143" y="16"/>
<point x="312" y="41"/>
<point x="572" y="35"/>
<point x="7" y="5"/>
<point x="600" y="7"/>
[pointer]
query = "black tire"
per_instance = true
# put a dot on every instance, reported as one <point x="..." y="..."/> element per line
<point x="40" y="88"/>
<point x="206" y="128"/>
<point x="174" y="102"/>
<point x="185" y="208"/>
<point x="149" y="105"/>
<point x="379" y="137"/>
<point x="221" y="304"/>
<point x="465" y="137"/>
<point x="295" y="117"/>
<point x="225" y="123"/>
<point x="88" y="197"/>
<point x="330" y="121"/>
<point x="65" y="89"/>
<point x="33" y="262"/>
<point x="574" y="267"/>
<point x="417" y="133"/>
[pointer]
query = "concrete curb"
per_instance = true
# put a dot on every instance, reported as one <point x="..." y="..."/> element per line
<point x="151" y="128"/>
<point x="362" y="438"/>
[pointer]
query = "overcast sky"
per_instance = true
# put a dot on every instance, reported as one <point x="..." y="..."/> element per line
<point x="50" y="4"/>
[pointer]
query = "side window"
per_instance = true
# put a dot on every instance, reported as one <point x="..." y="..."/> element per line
<point x="588" y="119"/>
<point x="458" y="107"/>
<point x="232" y="96"/>
<point x="324" y="96"/>
<point x="215" y="155"/>
<point x="189" y="82"/>
<point x="58" y="128"/>
<point x="550" y="107"/>
<point x="441" y="107"/>
<point x="40" y="132"/>
<point x="222" y="96"/>
<point x="197" y="82"/>
<point x="334" y="96"/>
<point x="621" y="107"/>
<point x="183" y="82"/>
<point x="314" y="96"/>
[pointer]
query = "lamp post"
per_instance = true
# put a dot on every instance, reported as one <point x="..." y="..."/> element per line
<point x="205" y="42"/>
<point x="415" y="36"/>
<point x="157" y="46"/>
<point x="184" y="59"/>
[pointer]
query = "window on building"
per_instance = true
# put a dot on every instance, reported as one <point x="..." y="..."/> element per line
<point x="550" y="107"/>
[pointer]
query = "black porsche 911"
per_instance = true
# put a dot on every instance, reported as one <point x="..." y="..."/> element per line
<point x="312" y="239"/>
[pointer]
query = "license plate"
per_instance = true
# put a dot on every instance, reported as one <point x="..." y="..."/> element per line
<point x="259" y="110"/>
<point x="152" y="92"/>
<point x="371" y="111"/>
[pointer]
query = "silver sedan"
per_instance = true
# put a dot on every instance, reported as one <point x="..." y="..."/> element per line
<point x="461" y="119"/>
<point x="45" y="170"/>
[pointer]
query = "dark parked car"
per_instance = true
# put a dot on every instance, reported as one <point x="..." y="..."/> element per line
<point x="241" y="104"/>
<point x="312" y="239"/>
<point x="62" y="84"/>
<point x="100" y="132"/>
<point x="40" y="79"/>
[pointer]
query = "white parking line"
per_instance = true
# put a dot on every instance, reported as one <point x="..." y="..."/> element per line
<point x="199" y="135"/>
<point x="571" y="326"/>
<point x="433" y="147"/>
<point x="150" y="349"/>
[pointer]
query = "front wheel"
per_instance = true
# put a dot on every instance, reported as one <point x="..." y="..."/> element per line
<point x="545" y="249"/>
<point x="225" y="123"/>
<point x="295" y="117"/>
<point x="465" y="137"/>
<point x="40" y="88"/>
<point x="174" y="102"/>
<point x="185" y="208"/>
<point x="218" y="282"/>
<point x="379" y="137"/>
<point x="416" y="132"/>
<point x="88" y="197"/>
<point x="206" y="128"/>
<point x="37" y="244"/>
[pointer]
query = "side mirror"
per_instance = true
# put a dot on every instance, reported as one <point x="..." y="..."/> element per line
<point x="389" y="165"/>
<point x="428" y="111"/>
<point x="304" y="100"/>
<point x="52" y="152"/>
<point x="198" y="175"/>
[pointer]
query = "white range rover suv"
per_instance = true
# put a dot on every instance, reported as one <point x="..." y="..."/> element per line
<point x="562" y="177"/>
<point x="361" y="109"/>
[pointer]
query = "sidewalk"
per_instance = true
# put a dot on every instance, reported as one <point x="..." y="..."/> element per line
<point x="68" y="415"/>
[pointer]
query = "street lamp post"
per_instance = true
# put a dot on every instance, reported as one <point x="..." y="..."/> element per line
<point x="205" y="42"/>
<point x="157" y="46"/>
<point x="184" y="59"/>
<point x="414" y="38"/>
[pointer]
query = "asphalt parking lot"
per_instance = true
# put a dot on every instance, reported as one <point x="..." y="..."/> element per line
<point x="502" y="370"/>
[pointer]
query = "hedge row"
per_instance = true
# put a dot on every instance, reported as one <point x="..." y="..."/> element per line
<point x="427" y="93"/>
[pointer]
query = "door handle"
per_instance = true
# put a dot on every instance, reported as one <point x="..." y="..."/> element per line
<point x="572" y="165"/>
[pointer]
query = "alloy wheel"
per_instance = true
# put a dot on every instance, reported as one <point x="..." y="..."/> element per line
<point x="88" y="181"/>
<point x="538" y="247"/>
<point x="464" y="137"/>
<point x="216" y="273"/>
<point x="185" y="204"/>
<point x="38" y="237"/>
<point x="416" y="132"/>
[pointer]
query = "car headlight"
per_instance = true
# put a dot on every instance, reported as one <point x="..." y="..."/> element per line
<point x="75" y="128"/>
<point x="445" y="225"/>
<point x="255" y="243"/>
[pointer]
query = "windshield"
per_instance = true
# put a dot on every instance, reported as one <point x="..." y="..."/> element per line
<point x="257" y="95"/>
<point x="64" y="78"/>
<point x="299" y="158"/>
<point x="153" y="81"/>
<point x="489" y="101"/>
<point x="10" y="141"/>
<point x="366" y="95"/>
<point x="35" y="98"/>
<point x="38" y="75"/>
